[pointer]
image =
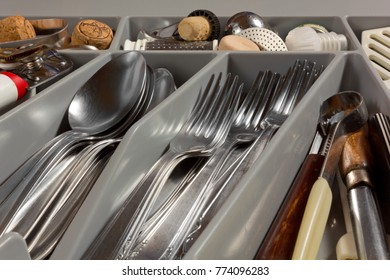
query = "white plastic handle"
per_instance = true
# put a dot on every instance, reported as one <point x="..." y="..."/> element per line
<point x="313" y="222"/>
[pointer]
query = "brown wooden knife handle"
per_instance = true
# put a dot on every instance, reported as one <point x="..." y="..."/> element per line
<point x="279" y="242"/>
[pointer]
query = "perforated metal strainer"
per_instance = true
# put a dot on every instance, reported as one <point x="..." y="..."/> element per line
<point x="266" y="39"/>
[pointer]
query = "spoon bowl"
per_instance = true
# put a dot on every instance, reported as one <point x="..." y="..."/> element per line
<point x="164" y="85"/>
<point x="105" y="99"/>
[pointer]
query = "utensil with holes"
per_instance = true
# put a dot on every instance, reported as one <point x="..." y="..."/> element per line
<point x="266" y="39"/>
<point x="376" y="45"/>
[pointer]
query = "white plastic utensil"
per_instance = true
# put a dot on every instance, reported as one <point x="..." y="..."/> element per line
<point x="376" y="45"/>
<point x="305" y="38"/>
<point x="266" y="39"/>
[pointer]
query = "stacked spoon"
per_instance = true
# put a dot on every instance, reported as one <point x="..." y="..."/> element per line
<point x="41" y="198"/>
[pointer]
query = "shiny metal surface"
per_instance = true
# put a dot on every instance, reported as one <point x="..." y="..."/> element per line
<point x="295" y="83"/>
<point x="36" y="64"/>
<point x="57" y="179"/>
<point x="51" y="32"/>
<point x="340" y="115"/>
<point x="206" y="128"/>
<point x="178" y="223"/>
<point x="244" y="20"/>
<point x="370" y="237"/>
<point x="75" y="187"/>
<point x="170" y="233"/>
<point x="100" y="103"/>
<point x="164" y="85"/>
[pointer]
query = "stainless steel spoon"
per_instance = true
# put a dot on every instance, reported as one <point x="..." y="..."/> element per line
<point x="108" y="95"/>
<point x="101" y="103"/>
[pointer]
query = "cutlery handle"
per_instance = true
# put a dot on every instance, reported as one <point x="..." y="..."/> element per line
<point x="27" y="171"/>
<point x="356" y="166"/>
<point x="313" y="221"/>
<point x="119" y="235"/>
<point x="370" y="237"/>
<point x="279" y="242"/>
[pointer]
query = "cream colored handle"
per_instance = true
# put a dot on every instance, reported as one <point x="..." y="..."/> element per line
<point x="313" y="221"/>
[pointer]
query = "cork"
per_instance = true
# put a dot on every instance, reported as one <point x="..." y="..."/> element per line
<point x="237" y="43"/>
<point x="15" y="28"/>
<point x="92" y="32"/>
<point x="196" y="28"/>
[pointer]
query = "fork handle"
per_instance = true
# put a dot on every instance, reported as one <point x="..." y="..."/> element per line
<point x="28" y="167"/>
<point x="116" y="239"/>
<point x="33" y="172"/>
<point x="225" y="182"/>
<point x="184" y="212"/>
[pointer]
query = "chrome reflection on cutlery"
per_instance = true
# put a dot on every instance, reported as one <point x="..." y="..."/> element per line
<point x="243" y="129"/>
<point x="204" y="131"/>
<point x="32" y="202"/>
<point x="180" y="225"/>
<point x="296" y="82"/>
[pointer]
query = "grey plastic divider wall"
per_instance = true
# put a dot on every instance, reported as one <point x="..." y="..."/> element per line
<point x="147" y="139"/>
<point x="130" y="26"/>
<point x="29" y="126"/>
<point x="245" y="217"/>
<point x="238" y="228"/>
<point x="35" y="121"/>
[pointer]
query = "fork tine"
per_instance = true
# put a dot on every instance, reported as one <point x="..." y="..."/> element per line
<point x="280" y="96"/>
<point x="222" y="104"/>
<point x="202" y="101"/>
<point x="273" y="86"/>
<point x="291" y="96"/>
<point x="250" y="95"/>
<point x="211" y="103"/>
<point x="213" y="98"/>
<point x="227" y="113"/>
<point x="259" y="98"/>
<point x="310" y="78"/>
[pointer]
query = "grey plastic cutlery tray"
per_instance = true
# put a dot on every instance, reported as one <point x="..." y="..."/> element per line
<point x="240" y="225"/>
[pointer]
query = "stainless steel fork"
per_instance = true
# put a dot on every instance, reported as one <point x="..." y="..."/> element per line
<point x="297" y="81"/>
<point x="205" y="130"/>
<point x="178" y="220"/>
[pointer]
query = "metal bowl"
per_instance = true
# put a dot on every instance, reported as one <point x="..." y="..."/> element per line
<point x="244" y="20"/>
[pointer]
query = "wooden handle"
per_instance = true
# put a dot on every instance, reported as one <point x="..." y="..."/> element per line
<point x="313" y="222"/>
<point x="237" y="43"/>
<point x="357" y="153"/>
<point x="280" y="240"/>
<point x="194" y="28"/>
